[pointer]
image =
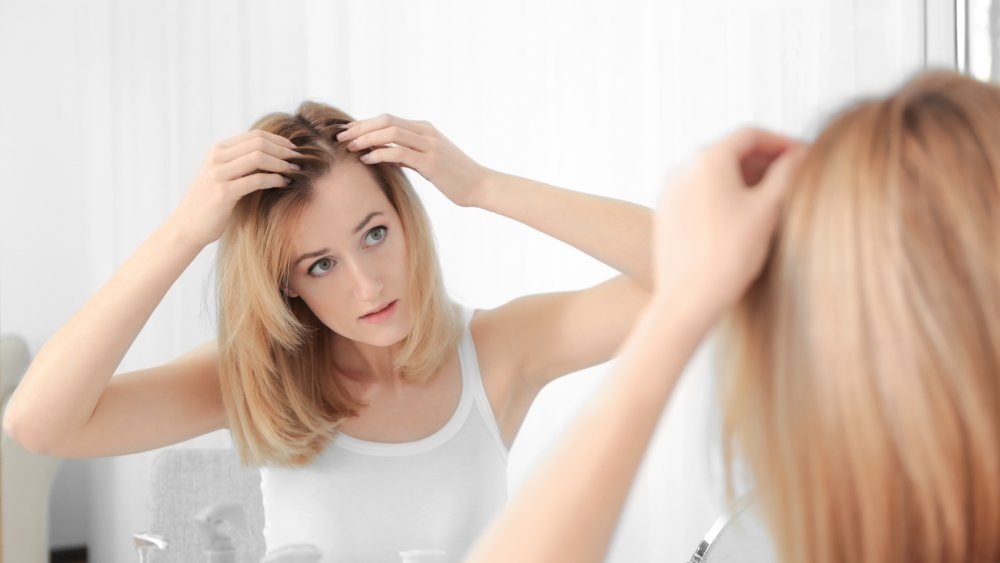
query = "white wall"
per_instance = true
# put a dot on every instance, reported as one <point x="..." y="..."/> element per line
<point x="108" y="106"/>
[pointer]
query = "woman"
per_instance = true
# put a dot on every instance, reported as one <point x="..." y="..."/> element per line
<point x="380" y="411"/>
<point x="863" y="379"/>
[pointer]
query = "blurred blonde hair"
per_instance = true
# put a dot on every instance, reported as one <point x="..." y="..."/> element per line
<point x="861" y="379"/>
<point x="283" y="402"/>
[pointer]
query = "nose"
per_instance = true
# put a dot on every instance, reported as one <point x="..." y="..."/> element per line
<point x="367" y="284"/>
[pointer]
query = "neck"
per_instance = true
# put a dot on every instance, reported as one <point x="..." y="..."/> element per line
<point x="365" y="363"/>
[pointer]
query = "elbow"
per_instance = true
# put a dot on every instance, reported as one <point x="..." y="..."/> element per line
<point x="24" y="433"/>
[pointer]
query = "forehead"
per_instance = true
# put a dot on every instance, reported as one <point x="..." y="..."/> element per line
<point x="341" y="199"/>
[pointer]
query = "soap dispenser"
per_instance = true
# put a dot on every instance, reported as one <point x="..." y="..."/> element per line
<point x="218" y="521"/>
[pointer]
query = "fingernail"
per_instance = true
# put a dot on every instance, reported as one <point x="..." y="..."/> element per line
<point x="294" y="166"/>
<point x="366" y="158"/>
<point x="352" y="145"/>
<point x="287" y="180"/>
<point x="343" y="135"/>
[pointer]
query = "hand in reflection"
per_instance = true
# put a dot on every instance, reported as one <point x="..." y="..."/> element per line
<point x="417" y="145"/>
<point x="233" y="168"/>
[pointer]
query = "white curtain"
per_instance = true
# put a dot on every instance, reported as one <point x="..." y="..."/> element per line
<point x="109" y="106"/>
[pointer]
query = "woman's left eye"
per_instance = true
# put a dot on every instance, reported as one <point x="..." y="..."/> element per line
<point x="376" y="235"/>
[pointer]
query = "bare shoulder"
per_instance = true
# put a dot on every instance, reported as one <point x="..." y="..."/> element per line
<point x="543" y="336"/>
<point x="490" y="329"/>
<point x="493" y="333"/>
<point x="509" y="395"/>
<point x="526" y="343"/>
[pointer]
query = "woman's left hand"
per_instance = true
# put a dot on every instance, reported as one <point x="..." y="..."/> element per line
<point x="418" y="145"/>
<point x="718" y="215"/>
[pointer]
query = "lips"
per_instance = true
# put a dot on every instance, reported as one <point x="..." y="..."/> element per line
<point x="378" y="309"/>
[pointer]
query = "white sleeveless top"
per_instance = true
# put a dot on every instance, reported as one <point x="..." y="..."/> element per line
<point x="361" y="501"/>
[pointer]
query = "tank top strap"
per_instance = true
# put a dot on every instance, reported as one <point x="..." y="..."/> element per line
<point x="472" y="381"/>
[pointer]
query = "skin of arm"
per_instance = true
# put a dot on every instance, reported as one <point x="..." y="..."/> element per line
<point x="545" y="336"/>
<point x="568" y="509"/>
<point x="67" y="404"/>
<point x="526" y="343"/>
<point x="532" y="340"/>
<point x="727" y="204"/>
<point x="86" y="350"/>
<point x="617" y="233"/>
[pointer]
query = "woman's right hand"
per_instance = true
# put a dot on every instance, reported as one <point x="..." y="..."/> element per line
<point x="233" y="168"/>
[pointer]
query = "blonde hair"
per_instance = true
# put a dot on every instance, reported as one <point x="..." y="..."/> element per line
<point x="275" y="367"/>
<point x="862" y="370"/>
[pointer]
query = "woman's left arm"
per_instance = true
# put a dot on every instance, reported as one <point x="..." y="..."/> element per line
<point x="533" y="339"/>
<point x="616" y="232"/>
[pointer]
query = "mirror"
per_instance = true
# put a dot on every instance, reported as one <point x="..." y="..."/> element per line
<point x="600" y="97"/>
<point x="981" y="39"/>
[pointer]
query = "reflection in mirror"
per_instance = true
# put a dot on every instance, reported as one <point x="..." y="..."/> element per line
<point x="526" y="107"/>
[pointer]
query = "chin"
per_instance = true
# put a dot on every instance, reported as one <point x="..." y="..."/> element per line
<point x="385" y="340"/>
<point x="387" y="336"/>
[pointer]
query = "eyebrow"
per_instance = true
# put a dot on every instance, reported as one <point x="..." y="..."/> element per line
<point x="323" y="251"/>
<point x="362" y="224"/>
<point x="319" y="252"/>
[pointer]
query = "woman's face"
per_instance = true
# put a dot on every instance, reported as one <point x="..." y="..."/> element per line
<point x="349" y="258"/>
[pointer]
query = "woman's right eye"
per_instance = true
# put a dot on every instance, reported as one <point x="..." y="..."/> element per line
<point x="321" y="267"/>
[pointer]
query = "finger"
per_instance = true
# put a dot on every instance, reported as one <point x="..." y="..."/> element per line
<point x="754" y="150"/>
<point x="251" y="162"/>
<point x="251" y="144"/>
<point x="754" y="166"/>
<point x="751" y="139"/>
<point x="361" y="127"/>
<point x="399" y="155"/>
<point x="260" y="133"/>
<point x="259" y="181"/>
<point x="775" y="184"/>
<point x="392" y="134"/>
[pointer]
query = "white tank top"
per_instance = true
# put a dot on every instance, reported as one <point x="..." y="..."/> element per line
<point x="361" y="501"/>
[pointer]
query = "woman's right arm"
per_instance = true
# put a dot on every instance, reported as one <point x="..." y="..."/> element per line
<point x="67" y="404"/>
<point x="714" y="227"/>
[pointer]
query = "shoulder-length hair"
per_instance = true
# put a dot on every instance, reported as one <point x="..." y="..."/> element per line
<point x="862" y="378"/>
<point x="283" y="402"/>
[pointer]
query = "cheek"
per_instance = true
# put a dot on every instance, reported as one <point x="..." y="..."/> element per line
<point x="400" y="262"/>
<point x="325" y="298"/>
